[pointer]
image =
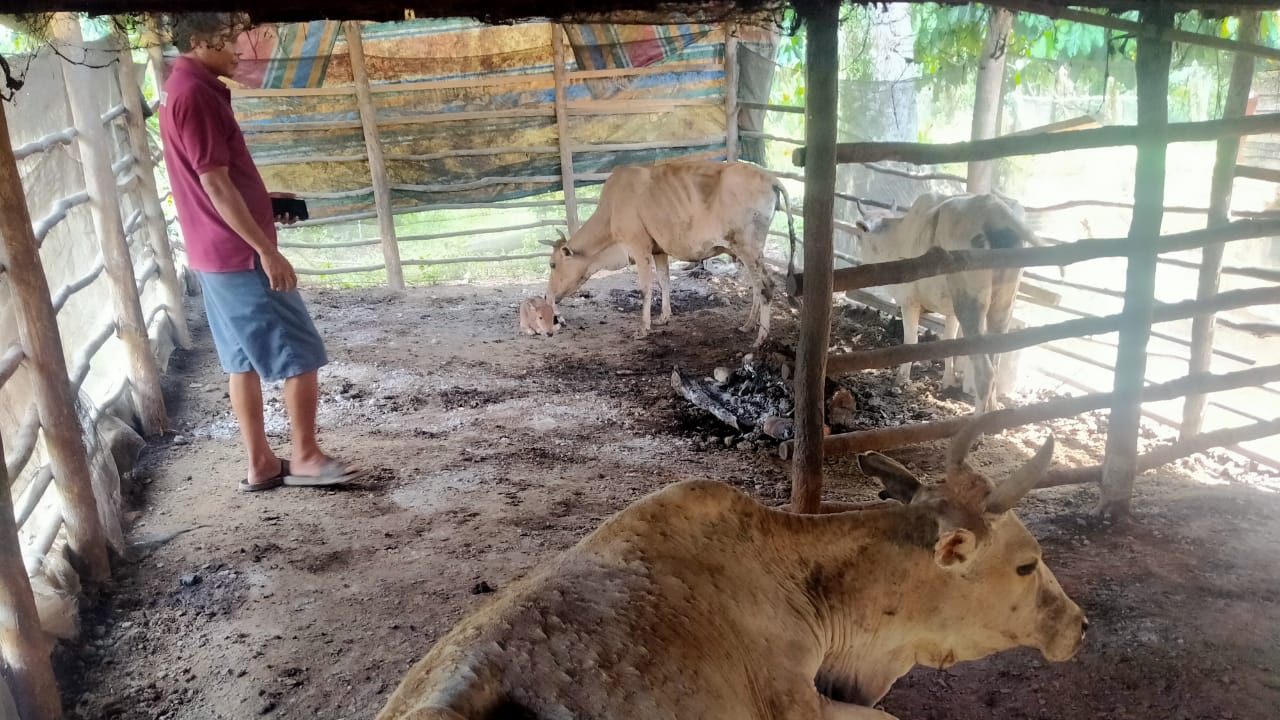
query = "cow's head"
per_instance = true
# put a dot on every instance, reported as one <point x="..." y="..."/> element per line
<point x="570" y="268"/>
<point x="993" y="590"/>
<point x="877" y="240"/>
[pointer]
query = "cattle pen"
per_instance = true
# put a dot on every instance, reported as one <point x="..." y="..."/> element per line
<point x="513" y="141"/>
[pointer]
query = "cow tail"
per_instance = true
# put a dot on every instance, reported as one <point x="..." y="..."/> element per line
<point x="791" y="232"/>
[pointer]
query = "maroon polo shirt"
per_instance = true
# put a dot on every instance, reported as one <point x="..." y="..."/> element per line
<point x="200" y="134"/>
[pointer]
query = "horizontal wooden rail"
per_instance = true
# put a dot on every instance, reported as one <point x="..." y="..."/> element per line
<point x="10" y="360"/>
<point x="408" y="157"/>
<point x="113" y="113"/>
<point x="62" y="137"/>
<point x="794" y="109"/>
<point x="661" y="69"/>
<point x="1029" y="337"/>
<point x="42" y="542"/>
<point x="147" y="273"/>
<point x="122" y="164"/>
<point x="134" y="220"/>
<point x="896" y="437"/>
<point x="767" y="136"/>
<point x="666" y="145"/>
<point x="1167" y="453"/>
<point x="636" y="107"/>
<point x="1044" y="143"/>
<point x="23" y="443"/>
<point x="543" y="79"/>
<point x="338" y="90"/>
<point x="64" y="294"/>
<point x="921" y="176"/>
<point x="937" y="261"/>
<point x="426" y="263"/>
<point x="84" y="358"/>
<point x="26" y="503"/>
<point x="1257" y="173"/>
<point x="482" y="182"/>
<point x="420" y="238"/>
<point x="56" y="215"/>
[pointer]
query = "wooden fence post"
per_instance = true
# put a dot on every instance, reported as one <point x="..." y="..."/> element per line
<point x="1120" y="464"/>
<point x="989" y="94"/>
<point x="731" y="91"/>
<point x="822" y="68"/>
<point x="157" y="231"/>
<point x="22" y="642"/>
<point x="377" y="164"/>
<point x="38" y="329"/>
<point x="1202" y="326"/>
<point x="153" y="38"/>
<point x="100" y="182"/>
<point x="561" y="73"/>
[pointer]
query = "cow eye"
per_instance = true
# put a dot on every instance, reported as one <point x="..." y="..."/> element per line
<point x="1027" y="569"/>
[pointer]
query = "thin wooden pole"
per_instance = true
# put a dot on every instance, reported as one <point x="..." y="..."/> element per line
<point x="38" y="330"/>
<point x="731" y="90"/>
<point x="100" y="183"/>
<point x="1120" y="464"/>
<point x="377" y="164"/>
<point x="1224" y="167"/>
<point x="157" y="231"/>
<point x="1042" y="143"/>
<point x="558" y="40"/>
<point x="153" y="38"/>
<point x="988" y="94"/>
<point x="822" y="67"/>
<point x="22" y="641"/>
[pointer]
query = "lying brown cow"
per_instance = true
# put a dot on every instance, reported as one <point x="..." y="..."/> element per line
<point x="698" y="602"/>
<point x="686" y="210"/>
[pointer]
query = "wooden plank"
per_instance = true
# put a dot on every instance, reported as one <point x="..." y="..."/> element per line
<point x="1030" y="337"/>
<point x="731" y="90"/>
<point x="95" y="154"/>
<point x="767" y="136"/>
<point x="937" y="261"/>
<point x="157" y="235"/>
<point x="377" y="165"/>
<point x="793" y="109"/>
<point x="1123" y="424"/>
<point x="1257" y="173"/>
<point x="1044" y="143"/>
<point x="23" y="646"/>
<point x="42" y="344"/>
<point x="822" y="71"/>
<point x="1202" y="326"/>
<point x="1075" y="123"/>
<point x="475" y="82"/>
<point x="659" y="69"/>
<point x="634" y="107"/>
<point x="896" y="437"/>
<point x="562" y="129"/>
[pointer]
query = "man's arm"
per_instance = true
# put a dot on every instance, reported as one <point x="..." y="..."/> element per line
<point x="229" y="203"/>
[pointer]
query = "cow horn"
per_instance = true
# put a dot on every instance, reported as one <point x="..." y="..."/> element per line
<point x="546" y="242"/>
<point x="1009" y="492"/>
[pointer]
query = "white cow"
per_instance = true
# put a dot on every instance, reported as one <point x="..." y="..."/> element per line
<point x="978" y="302"/>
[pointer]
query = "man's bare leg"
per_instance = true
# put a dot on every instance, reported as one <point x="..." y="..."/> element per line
<point x="246" y="402"/>
<point x="301" y="396"/>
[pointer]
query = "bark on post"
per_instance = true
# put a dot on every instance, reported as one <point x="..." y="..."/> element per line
<point x="1202" y="327"/>
<point x="157" y="231"/>
<point x="100" y="182"/>
<point x="988" y="96"/>
<point x="23" y="646"/>
<point x="377" y="165"/>
<point x="1120" y="465"/>
<point x="731" y="91"/>
<point x="153" y="39"/>
<point x="562" y="128"/>
<point x="822" y="66"/>
<point x="38" y="330"/>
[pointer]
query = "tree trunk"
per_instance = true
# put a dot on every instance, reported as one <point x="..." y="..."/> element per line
<point x="988" y="96"/>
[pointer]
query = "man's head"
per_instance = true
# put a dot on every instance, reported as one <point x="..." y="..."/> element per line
<point x="209" y="38"/>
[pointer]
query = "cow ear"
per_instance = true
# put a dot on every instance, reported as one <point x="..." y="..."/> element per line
<point x="899" y="483"/>
<point x="955" y="549"/>
<point x="862" y="226"/>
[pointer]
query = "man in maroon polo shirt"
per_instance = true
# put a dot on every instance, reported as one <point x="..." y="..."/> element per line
<point x="259" y="323"/>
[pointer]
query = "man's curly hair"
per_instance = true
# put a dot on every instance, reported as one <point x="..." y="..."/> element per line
<point x="186" y="29"/>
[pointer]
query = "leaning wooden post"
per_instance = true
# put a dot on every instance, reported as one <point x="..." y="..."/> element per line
<point x="22" y="641"/>
<point x="562" y="127"/>
<point x="731" y="91"/>
<point x="100" y="183"/>
<point x="1224" y="168"/>
<point x="377" y="165"/>
<point x="157" y="231"/>
<point x="1120" y="464"/>
<point x="153" y="38"/>
<point x="822" y="65"/>
<point x="38" y="329"/>
<point x="989" y="94"/>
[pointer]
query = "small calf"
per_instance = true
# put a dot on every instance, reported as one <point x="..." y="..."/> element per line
<point x="538" y="316"/>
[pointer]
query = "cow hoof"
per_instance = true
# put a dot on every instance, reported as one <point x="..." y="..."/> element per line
<point x="641" y="334"/>
<point x="662" y="320"/>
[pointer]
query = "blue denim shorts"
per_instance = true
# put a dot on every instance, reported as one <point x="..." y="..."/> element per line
<point x="256" y="328"/>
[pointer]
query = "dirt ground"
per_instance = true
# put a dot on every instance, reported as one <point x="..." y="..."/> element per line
<point x="493" y="451"/>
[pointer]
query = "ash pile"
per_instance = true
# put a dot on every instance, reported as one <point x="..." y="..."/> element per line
<point x="752" y="406"/>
